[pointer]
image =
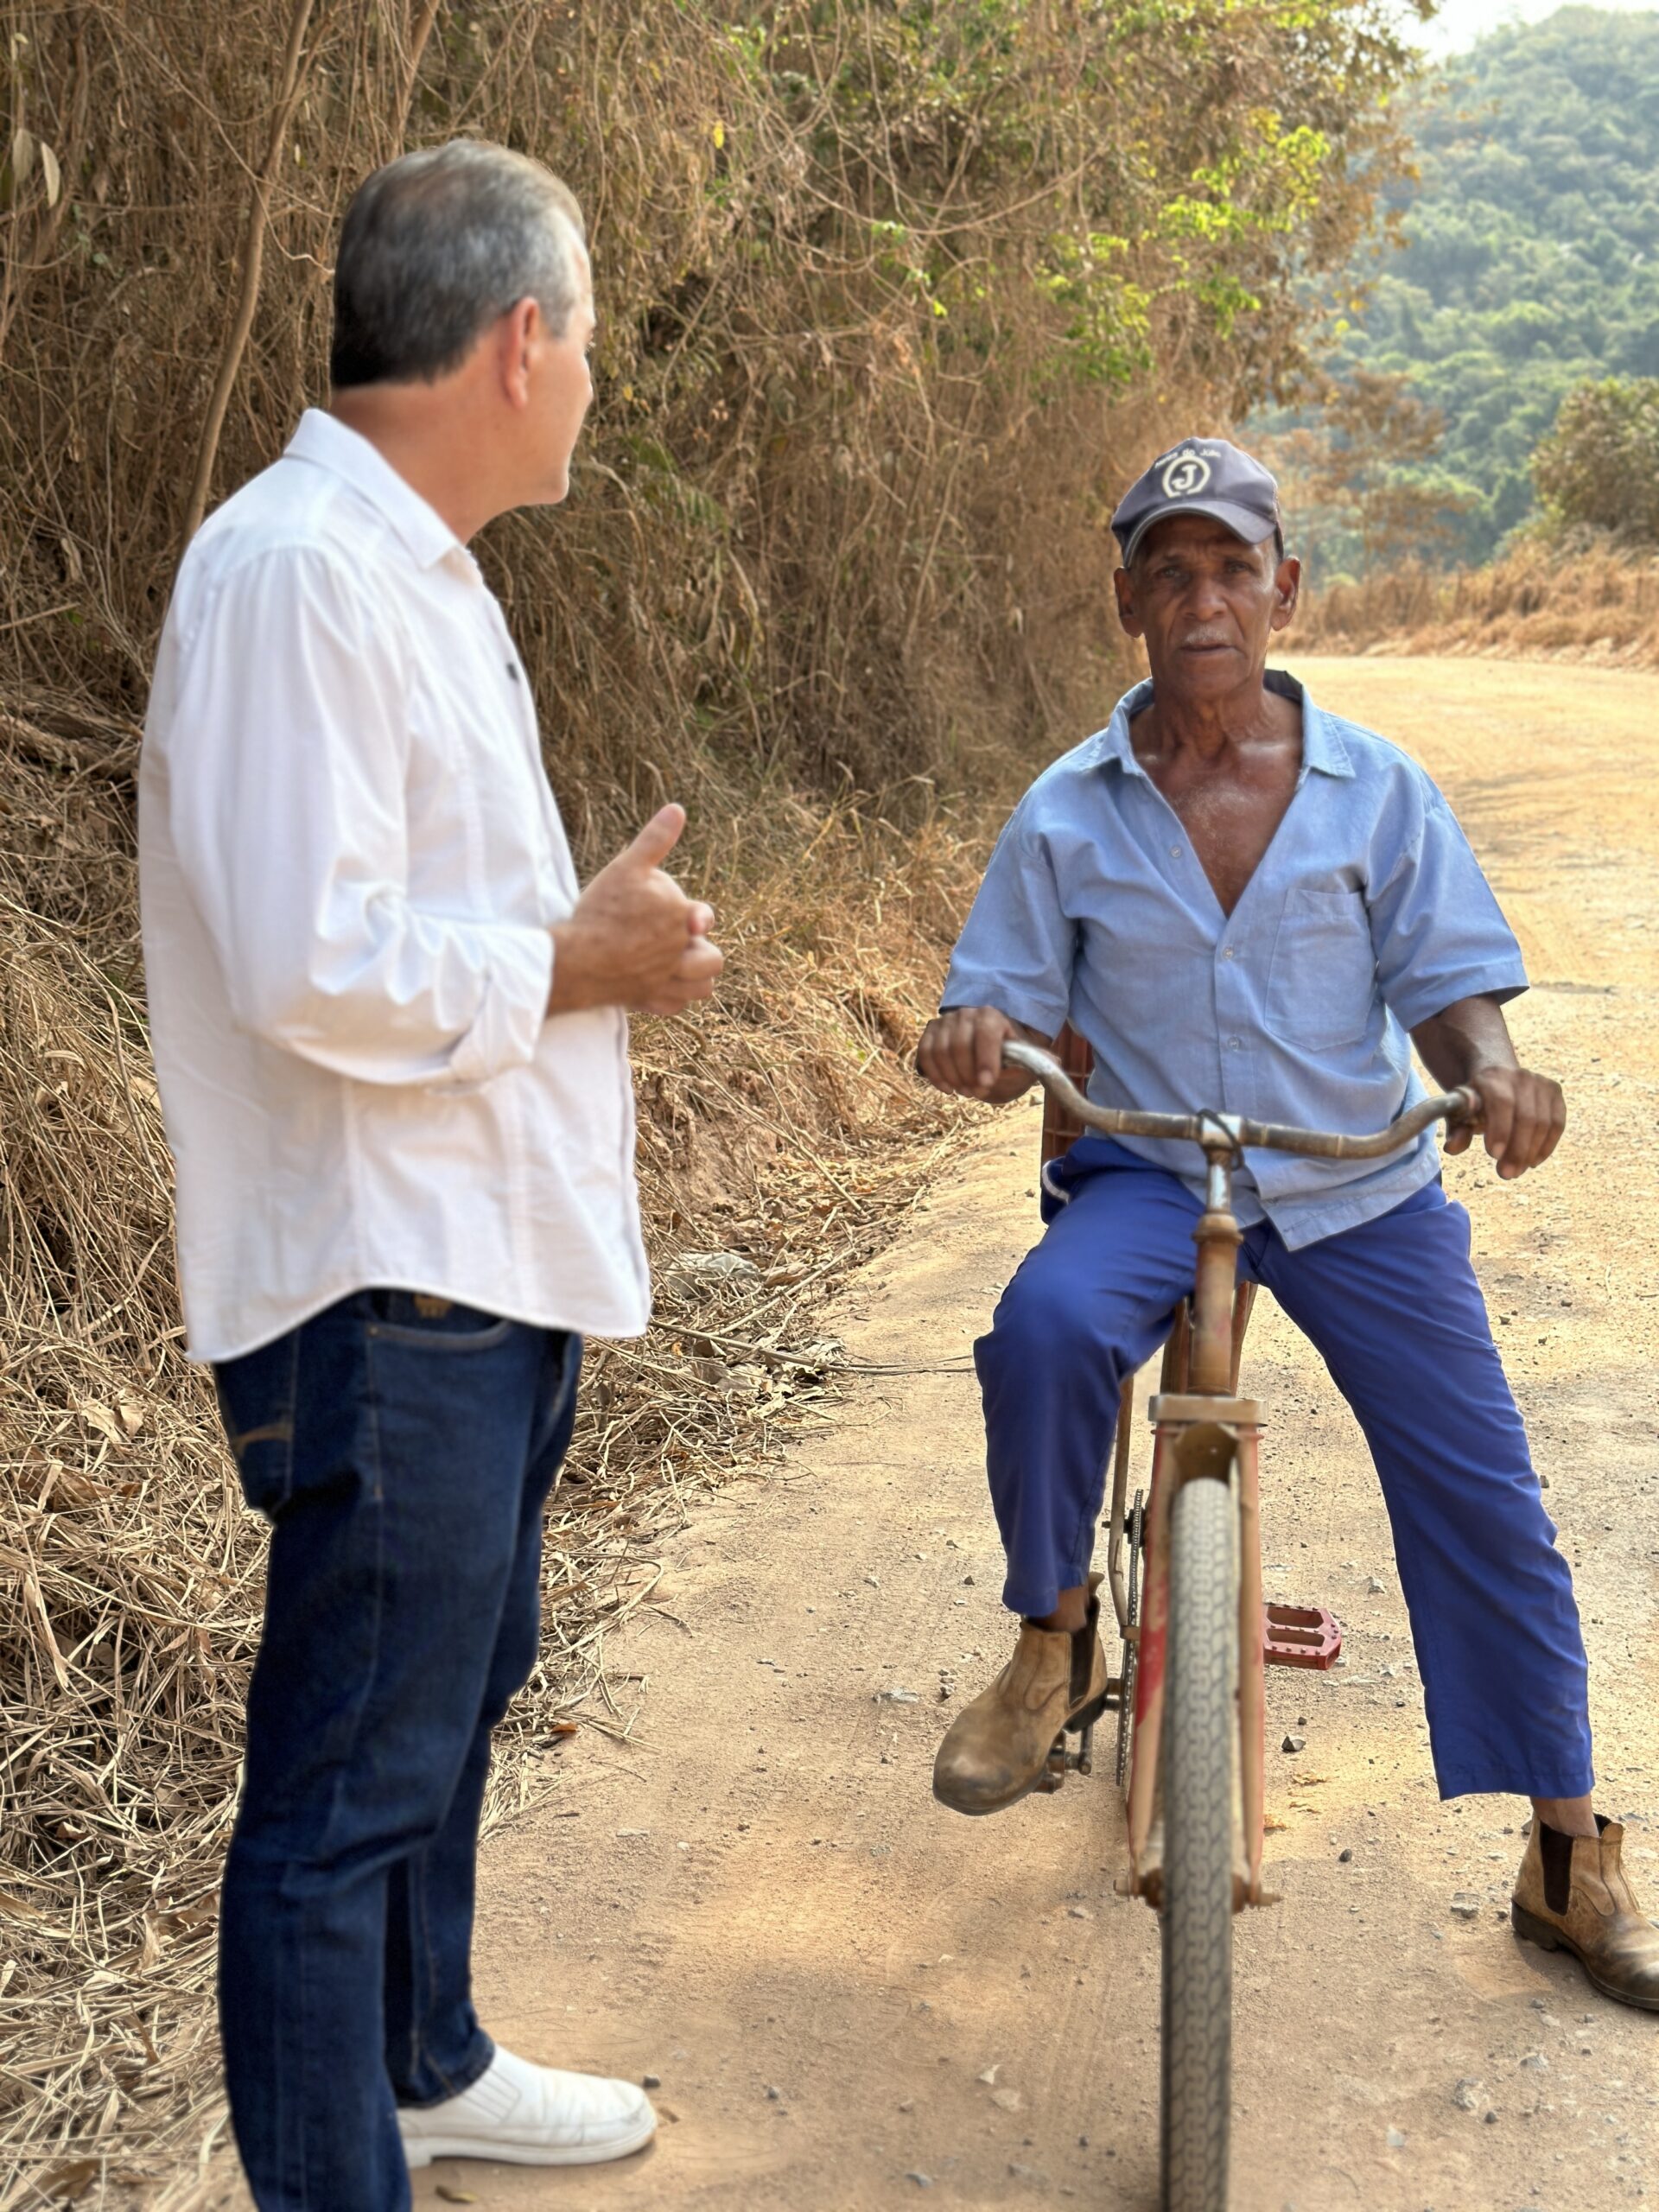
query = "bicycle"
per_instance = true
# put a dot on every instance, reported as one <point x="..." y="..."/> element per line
<point x="1183" y="1568"/>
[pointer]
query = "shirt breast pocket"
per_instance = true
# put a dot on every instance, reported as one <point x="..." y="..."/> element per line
<point x="1322" y="977"/>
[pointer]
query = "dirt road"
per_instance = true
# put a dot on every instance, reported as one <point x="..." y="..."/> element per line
<point x="852" y="1996"/>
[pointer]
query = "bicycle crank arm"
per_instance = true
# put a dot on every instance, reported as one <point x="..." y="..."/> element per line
<point x="1061" y="1759"/>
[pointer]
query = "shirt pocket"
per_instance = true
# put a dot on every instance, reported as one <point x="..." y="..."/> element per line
<point x="1322" y="977"/>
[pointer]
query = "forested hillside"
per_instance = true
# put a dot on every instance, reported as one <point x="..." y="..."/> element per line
<point x="1530" y="265"/>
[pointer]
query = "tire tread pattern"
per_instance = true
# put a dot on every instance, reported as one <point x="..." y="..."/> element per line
<point x="1199" y="1728"/>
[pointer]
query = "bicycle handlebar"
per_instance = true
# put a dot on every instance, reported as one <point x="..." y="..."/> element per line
<point x="1232" y="1131"/>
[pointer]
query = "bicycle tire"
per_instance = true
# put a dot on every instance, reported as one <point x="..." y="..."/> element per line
<point x="1128" y="1665"/>
<point x="1199" y="1733"/>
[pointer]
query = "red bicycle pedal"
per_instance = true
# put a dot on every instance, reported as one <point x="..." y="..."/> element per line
<point x="1299" y="1636"/>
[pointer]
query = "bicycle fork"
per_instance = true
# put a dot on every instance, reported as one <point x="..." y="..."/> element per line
<point x="1201" y="1437"/>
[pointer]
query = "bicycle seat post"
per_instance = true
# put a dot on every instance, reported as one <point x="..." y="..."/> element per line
<point x="1217" y="1235"/>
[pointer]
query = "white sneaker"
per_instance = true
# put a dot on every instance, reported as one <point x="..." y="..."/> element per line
<point x="526" y="2115"/>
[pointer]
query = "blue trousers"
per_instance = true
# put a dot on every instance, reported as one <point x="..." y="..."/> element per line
<point x="403" y="1450"/>
<point x="1395" y="1311"/>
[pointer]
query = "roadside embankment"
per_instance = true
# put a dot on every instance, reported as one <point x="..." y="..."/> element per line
<point x="1576" y="601"/>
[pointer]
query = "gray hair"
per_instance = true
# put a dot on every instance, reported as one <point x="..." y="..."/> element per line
<point x="436" y="245"/>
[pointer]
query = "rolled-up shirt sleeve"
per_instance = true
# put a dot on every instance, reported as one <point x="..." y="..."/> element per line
<point x="1438" y="931"/>
<point x="1018" y="946"/>
<point x="287" y="769"/>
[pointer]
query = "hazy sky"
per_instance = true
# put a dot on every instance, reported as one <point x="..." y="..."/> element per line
<point x="1460" y="22"/>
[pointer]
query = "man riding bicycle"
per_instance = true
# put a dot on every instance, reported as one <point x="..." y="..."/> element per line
<point x="1240" y="901"/>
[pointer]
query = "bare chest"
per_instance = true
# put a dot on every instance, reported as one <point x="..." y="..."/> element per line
<point x="1231" y="818"/>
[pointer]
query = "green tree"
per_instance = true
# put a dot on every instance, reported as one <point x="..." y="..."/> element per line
<point x="1529" y="257"/>
<point x="1599" y="466"/>
<point x="1362" y="482"/>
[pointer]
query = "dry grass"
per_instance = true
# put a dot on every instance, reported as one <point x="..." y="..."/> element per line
<point x="815" y="526"/>
<point x="1578" y="600"/>
<point x="893" y="301"/>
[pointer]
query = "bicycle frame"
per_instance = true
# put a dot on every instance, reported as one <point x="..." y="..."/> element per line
<point x="1204" y="1431"/>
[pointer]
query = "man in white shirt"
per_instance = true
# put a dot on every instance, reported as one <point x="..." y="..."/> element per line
<point x="391" y="1034"/>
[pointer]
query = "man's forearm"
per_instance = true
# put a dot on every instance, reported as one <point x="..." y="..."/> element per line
<point x="577" y="982"/>
<point x="386" y="992"/>
<point x="1464" y="1038"/>
<point x="1523" y="1114"/>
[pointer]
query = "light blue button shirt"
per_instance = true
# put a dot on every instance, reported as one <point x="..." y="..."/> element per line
<point x="1367" y="915"/>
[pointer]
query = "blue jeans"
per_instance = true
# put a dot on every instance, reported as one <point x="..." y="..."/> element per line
<point x="404" y="1449"/>
<point x="1395" y="1311"/>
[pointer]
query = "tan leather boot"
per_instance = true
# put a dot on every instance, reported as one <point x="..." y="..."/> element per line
<point x="997" y="1747"/>
<point x="1573" y="1894"/>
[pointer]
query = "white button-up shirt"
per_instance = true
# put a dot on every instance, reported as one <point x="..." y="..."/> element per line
<point x="349" y="862"/>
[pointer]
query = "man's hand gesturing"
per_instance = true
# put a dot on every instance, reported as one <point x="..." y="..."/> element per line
<point x="635" y="939"/>
<point x="961" y="1051"/>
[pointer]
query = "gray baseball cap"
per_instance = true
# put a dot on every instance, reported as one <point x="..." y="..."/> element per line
<point x="1200" y="476"/>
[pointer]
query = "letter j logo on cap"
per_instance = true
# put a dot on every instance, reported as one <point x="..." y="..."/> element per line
<point x="1184" y="474"/>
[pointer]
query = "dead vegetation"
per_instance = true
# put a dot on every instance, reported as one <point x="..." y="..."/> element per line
<point x="895" y="297"/>
<point x="1575" y="598"/>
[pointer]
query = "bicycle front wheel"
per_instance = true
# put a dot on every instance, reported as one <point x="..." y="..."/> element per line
<point x="1199" y="1733"/>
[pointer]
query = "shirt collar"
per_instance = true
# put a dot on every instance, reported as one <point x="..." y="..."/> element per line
<point x="326" y="442"/>
<point x="1322" y="746"/>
